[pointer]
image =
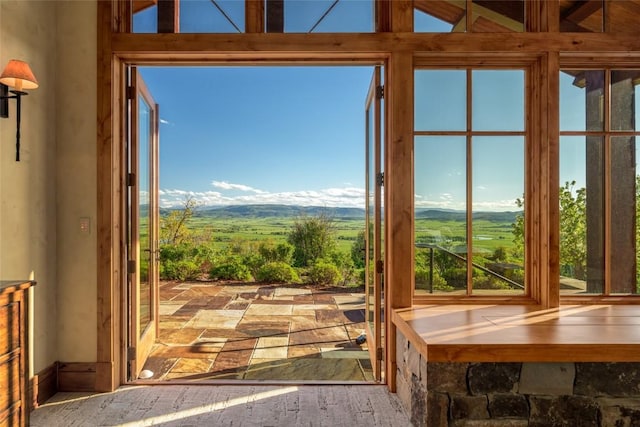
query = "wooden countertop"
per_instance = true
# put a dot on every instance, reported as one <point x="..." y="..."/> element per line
<point x="8" y="286"/>
<point x="525" y="333"/>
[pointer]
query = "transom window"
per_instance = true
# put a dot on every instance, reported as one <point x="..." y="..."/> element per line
<point x="469" y="181"/>
<point x="288" y="16"/>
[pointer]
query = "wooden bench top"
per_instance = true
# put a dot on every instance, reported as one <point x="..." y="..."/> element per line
<point x="522" y="333"/>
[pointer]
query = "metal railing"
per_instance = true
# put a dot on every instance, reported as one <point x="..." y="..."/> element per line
<point x="431" y="247"/>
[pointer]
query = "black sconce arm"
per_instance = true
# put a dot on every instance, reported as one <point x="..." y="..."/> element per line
<point x="4" y="110"/>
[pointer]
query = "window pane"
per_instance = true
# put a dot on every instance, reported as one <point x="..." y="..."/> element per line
<point x="624" y="101"/>
<point x="327" y="16"/>
<point x="581" y="215"/>
<point x="582" y="16"/>
<point x="440" y="100"/>
<point x="197" y="16"/>
<point x="622" y="16"/>
<point x="637" y="214"/>
<point x="490" y="16"/>
<point x="205" y="16"/>
<point x="498" y="100"/>
<point x="498" y="225"/>
<point x="439" y="16"/>
<point x="622" y="154"/>
<point x="146" y="21"/>
<point x="440" y="213"/>
<point x="581" y="100"/>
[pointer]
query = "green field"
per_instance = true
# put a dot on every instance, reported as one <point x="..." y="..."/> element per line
<point x="222" y="231"/>
<point x="230" y="238"/>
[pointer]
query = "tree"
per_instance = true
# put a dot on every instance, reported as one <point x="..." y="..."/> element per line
<point x="358" y="248"/>
<point x="312" y="238"/>
<point x="173" y="227"/>
<point x="573" y="228"/>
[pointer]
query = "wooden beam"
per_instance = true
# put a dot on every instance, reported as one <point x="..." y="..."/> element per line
<point x="168" y="16"/>
<point x="383" y="15"/>
<point x="140" y="5"/>
<point x="122" y="16"/>
<point x="550" y="187"/>
<point x="105" y="379"/>
<point x="398" y="195"/>
<point x="275" y="16"/>
<point x="210" y="46"/>
<point x="402" y="16"/>
<point x="254" y="16"/>
<point x="581" y="10"/>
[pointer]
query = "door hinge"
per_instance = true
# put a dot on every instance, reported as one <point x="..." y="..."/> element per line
<point x="379" y="266"/>
<point x="131" y="179"/>
<point x="380" y="179"/>
<point x="130" y="92"/>
<point x="131" y="353"/>
<point x="379" y="353"/>
<point x="380" y="92"/>
<point x="131" y="266"/>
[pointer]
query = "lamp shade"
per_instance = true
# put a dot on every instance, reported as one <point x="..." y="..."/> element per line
<point x="18" y="75"/>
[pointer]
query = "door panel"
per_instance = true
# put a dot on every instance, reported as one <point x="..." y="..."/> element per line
<point x="373" y="224"/>
<point x="144" y="225"/>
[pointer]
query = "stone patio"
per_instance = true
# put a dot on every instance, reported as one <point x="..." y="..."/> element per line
<point x="213" y="330"/>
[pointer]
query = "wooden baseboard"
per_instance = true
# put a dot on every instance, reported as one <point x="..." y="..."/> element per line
<point x="43" y="385"/>
<point x="75" y="376"/>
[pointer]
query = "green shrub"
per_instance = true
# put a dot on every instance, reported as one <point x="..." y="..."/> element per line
<point x="422" y="280"/>
<point x="277" y="272"/>
<point x="312" y="239"/>
<point x="232" y="269"/>
<point x="253" y="261"/>
<point x="456" y="277"/>
<point x="324" y="272"/>
<point x="271" y="252"/>
<point x="179" y="270"/>
<point x="175" y="252"/>
<point x="201" y="255"/>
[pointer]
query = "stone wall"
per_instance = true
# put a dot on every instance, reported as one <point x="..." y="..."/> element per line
<point x="517" y="394"/>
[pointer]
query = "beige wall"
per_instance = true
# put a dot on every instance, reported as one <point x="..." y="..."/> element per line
<point x="43" y="196"/>
<point x="76" y="180"/>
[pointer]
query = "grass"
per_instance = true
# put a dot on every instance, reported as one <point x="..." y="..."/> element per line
<point x="223" y="231"/>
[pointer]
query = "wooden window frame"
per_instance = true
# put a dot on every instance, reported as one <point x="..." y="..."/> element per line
<point x="606" y="63"/>
<point x="397" y="45"/>
<point x="469" y="66"/>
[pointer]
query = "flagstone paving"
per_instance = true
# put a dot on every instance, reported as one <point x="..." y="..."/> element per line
<point x="212" y="330"/>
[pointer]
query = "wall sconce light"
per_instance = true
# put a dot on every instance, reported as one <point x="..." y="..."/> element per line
<point x="19" y="76"/>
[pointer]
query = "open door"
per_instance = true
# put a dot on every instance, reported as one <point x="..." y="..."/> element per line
<point x="143" y="224"/>
<point x="374" y="260"/>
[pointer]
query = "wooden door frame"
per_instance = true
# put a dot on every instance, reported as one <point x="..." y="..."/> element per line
<point x="112" y="61"/>
<point x="114" y="373"/>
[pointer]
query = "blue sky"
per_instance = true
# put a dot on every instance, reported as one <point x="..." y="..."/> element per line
<point x="261" y="134"/>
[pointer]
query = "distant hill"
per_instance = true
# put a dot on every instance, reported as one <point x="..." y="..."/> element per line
<point x="453" y="215"/>
<point x="277" y="211"/>
<point x="284" y="211"/>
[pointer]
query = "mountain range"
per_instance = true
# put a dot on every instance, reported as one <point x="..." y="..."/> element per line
<point x="280" y="211"/>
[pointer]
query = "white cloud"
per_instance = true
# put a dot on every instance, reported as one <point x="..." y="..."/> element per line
<point x="165" y="122"/>
<point x="229" y="186"/>
<point x="329" y="197"/>
<point x="447" y="201"/>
